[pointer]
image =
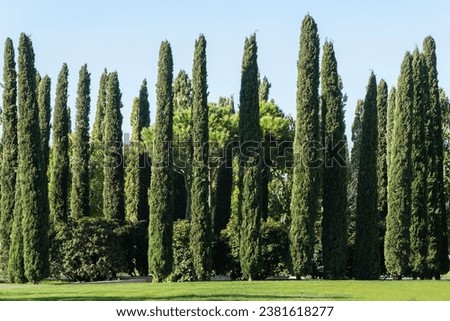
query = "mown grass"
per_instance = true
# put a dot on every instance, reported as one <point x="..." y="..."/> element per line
<point x="310" y="290"/>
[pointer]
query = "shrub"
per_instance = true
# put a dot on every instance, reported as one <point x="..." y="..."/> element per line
<point x="183" y="265"/>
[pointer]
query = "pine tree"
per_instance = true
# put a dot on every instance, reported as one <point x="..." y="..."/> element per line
<point x="334" y="188"/>
<point x="367" y="259"/>
<point x="8" y="179"/>
<point x="79" y="193"/>
<point x="418" y="222"/>
<point x="382" y="107"/>
<point x="97" y="151"/>
<point x="113" y="171"/>
<point x="305" y="189"/>
<point x="59" y="166"/>
<point x="30" y="174"/>
<point x="201" y="229"/>
<point x="396" y="245"/>
<point x="161" y="186"/>
<point x="438" y="262"/>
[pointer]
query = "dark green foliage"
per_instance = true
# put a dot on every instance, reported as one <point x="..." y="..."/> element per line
<point x="161" y="198"/>
<point x="382" y="109"/>
<point x="59" y="188"/>
<point x="183" y="261"/>
<point x="30" y="174"/>
<point x="396" y="246"/>
<point x="113" y="171"/>
<point x="44" y="119"/>
<point x="390" y="121"/>
<point x="97" y="151"/>
<point x="367" y="256"/>
<point x="8" y="179"/>
<point x="305" y="187"/>
<point x="250" y="137"/>
<point x="438" y="262"/>
<point x="79" y="195"/>
<point x="264" y="89"/>
<point x="88" y="249"/>
<point x="182" y="91"/>
<point x="418" y="222"/>
<point x="201" y="229"/>
<point x="274" y="249"/>
<point x="16" y="269"/>
<point x="334" y="188"/>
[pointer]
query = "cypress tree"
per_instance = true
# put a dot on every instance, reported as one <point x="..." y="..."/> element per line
<point x="264" y="89"/>
<point x="79" y="193"/>
<point x="305" y="188"/>
<point x="396" y="245"/>
<point x="418" y="222"/>
<point x="438" y="237"/>
<point x="8" y="179"/>
<point x="96" y="153"/>
<point x="161" y="186"/>
<point x="113" y="171"/>
<point x="201" y="229"/>
<point x="44" y="124"/>
<point x="367" y="258"/>
<point x="30" y="174"/>
<point x="334" y="221"/>
<point x="16" y="268"/>
<point x="182" y="91"/>
<point x="382" y="107"/>
<point x="390" y="122"/>
<point x="59" y="167"/>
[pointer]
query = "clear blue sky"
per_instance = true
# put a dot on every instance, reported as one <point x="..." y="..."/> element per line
<point x="125" y="36"/>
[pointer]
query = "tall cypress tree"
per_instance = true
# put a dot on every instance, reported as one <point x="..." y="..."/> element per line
<point x="161" y="199"/>
<point x="396" y="245"/>
<point x="418" y="222"/>
<point x="97" y="151"/>
<point x="367" y="256"/>
<point x="79" y="193"/>
<point x="44" y="118"/>
<point x="334" y="187"/>
<point x="30" y="174"/>
<point x="382" y="107"/>
<point x="438" y="237"/>
<point x="201" y="230"/>
<point x="390" y="122"/>
<point x="59" y="167"/>
<point x="305" y="189"/>
<point x="113" y="171"/>
<point x="8" y="179"/>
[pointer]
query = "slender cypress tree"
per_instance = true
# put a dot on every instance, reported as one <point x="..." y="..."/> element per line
<point x="8" y="179"/>
<point x="79" y="193"/>
<point x="390" y="122"/>
<point x="396" y="245"/>
<point x="334" y="221"/>
<point x="264" y="89"/>
<point x="438" y="237"/>
<point x="418" y="222"/>
<point x="16" y="268"/>
<point x="382" y="107"/>
<point x="113" y="172"/>
<point x="161" y="199"/>
<point x="201" y="229"/>
<point x="97" y="151"/>
<point x="59" y="167"/>
<point x="305" y="189"/>
<point x="30" y="174"/>
<point x="44" y="120"/>
<point x="367" y="256"/>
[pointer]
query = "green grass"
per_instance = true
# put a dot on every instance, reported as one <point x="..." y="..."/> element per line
<point x="257" y="291"/>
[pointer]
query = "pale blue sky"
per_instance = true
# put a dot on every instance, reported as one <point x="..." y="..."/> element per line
<point x="125" y="36"/>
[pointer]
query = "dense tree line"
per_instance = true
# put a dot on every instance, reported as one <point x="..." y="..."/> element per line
<point x="207" y="189"/>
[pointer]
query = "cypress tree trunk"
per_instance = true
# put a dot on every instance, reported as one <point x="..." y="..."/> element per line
<point x="59" y="167"/>
<point x="201" y="229"/>
<point x="334" y="221"/>
<point x="8" y="179"/>
<point x="250" y="163"/>
<point x="113" y="171"/>
<point x="30" y="174"/>
<point x="367" y="256"/>
<point x="305" y="189"/>
<point x="161" y="199"/>
<point x="438" y="240"/>
<point x="79" y="194"/>
<point x="418" y="225"/>
<point x="97" y="151"/>
<point x="382" y="107"/>
<point x="396" y="246"/>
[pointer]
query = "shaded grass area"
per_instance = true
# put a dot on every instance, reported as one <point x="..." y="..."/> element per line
<point x="310" y="290"/>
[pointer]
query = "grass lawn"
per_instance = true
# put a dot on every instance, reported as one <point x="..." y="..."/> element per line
<point x="258" y="290"/>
